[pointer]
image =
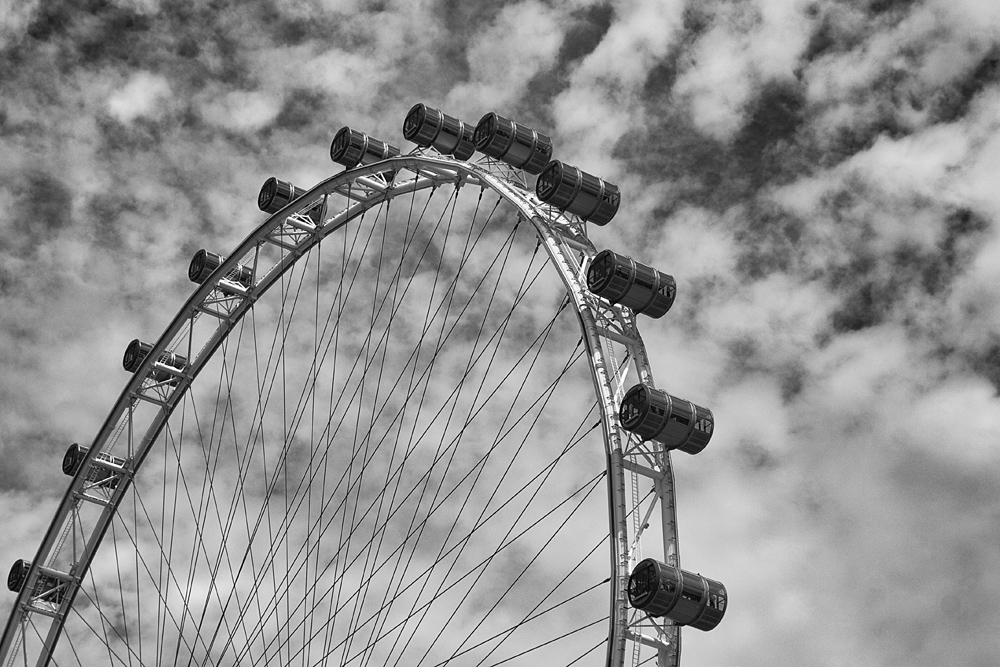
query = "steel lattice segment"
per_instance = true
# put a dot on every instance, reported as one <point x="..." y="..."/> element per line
<point x="156" y="389"/>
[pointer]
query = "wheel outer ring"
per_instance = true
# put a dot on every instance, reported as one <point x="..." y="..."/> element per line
<point x="434" y="171"/>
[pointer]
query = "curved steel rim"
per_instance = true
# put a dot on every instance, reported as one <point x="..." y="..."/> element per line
<point x="601" y="324"/>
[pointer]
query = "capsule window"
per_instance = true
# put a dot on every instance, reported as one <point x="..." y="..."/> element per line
<point x="202" y="265"/>
<point x="73" y="458"/>
<point x="681" y="412"/>
<point x="632" y="409"/>
<point x="645" y="277"/>
<point x="643" y="584"/>
<point x="17" y="575"/>
<point x="600" y="274"/>
<point x="485" y="130"/>
<point x="341" y="144"/>
<point x="276" y="194"/>
<point x="693" y="596"/>
<point x="545" y="186"/>
<point x="414" y="129"/>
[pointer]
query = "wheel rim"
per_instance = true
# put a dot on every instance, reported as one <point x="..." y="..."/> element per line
<point x="365" y="191"/>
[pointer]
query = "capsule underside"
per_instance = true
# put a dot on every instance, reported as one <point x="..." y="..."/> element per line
<point x="136" y="353"/>
<point x="242" y="275"/>
<point x="205" y="263"/>
<point x="173" y="359"/>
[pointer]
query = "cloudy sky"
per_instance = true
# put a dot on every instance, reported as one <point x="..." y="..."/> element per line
<point x="820" y="177"/>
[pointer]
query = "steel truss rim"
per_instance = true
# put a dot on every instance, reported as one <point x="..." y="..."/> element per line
<point x="558" y="233"/>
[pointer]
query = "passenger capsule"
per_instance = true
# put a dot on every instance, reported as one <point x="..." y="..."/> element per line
<point x="136" y="353"/>
<point x="577" y="192"/>
<point x="48" y="588"/>
<point x="519" y="146"/>
<point x="73" y="459"/>
<point x="351" y="148"/>
<point x="98" y="474"/>
<point x="656" y="415"/>
<point x="426" y="126"/>
<point x="275" y="195"/>
<point x="684" y="597"/>
<point x="621" y="279"/>
<point x="18" y="574"/>
<point x="204" y="264"/>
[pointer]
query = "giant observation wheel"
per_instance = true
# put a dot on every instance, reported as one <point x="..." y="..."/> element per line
<point x="386" y="429"/>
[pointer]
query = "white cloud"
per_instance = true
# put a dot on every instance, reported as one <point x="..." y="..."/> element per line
<point x="979" y="19"/>
<point x="145" y="95"/>
<point x="972" y="310"/>
<point x="148" y="7"/>
<point x="601" y="101"/>
<point x="717" y="85"/>
<point x="751" y="413"/>
<point x="498" y="72"/>
<point x="957" y="420"/>
<point x="975" y="179"/>
<point x="747" y="45"/>
<point x="696" y="244"/>
<point x="642" y="34"/>
<point x="241" y="110"/>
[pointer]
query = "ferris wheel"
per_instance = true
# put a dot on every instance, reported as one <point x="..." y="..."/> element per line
<point x="386" y="429"/>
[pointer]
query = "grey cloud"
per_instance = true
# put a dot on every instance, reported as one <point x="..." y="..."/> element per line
<point x="952" y="101"/>
<point x="43" y="204"/>
<point x="585" y="30"/>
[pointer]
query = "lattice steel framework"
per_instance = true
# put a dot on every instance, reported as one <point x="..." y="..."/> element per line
<point x="615" y="349"/>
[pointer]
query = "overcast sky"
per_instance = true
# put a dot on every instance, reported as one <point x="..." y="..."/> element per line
<point x="820" y="177"/>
